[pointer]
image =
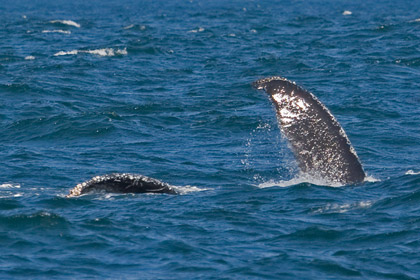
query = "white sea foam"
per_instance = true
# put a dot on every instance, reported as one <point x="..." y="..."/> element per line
<point x="100" y="52"/>
<point x="305" y="178"/>
<point x="347" y="13"/>
<point x="416" y="20"/>
<point x="73" y="52"/>
<point x="188" y="189"/>
<point x="411" y="172"/>
<point x="57" y="31"/>
<point x="342" y="208"/>
<point x="29" y="57"/>
<point x="10" y="186"/>
<point x="371" y="179"/>
<point x="107" y="52"/>
<point x="67" y="22"/>
<point x="299" y="179"/>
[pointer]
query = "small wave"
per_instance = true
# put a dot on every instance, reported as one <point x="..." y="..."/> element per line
<point x="67" y="22"/>
<point x="29" y="57"/>
<point x="100" y="52"/>
<point x="139" y="27"/>
<point x="342" y="208"/>
<point x="10" y="186"/>
<point x="347" y="13"/>
<point x="411" y="172"/>
<point x="57" y="31"/>
<point x="11" y="195"/>
<point x="196" y="30"/>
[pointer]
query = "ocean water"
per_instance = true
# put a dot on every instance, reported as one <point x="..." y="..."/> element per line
<point x="163" y="89"/>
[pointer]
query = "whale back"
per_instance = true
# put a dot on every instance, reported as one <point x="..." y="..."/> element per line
<point x="122" y="183"/>
<point x="319" y="143"/>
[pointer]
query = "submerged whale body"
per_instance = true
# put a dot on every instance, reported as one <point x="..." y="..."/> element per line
<point x="319" y="143"/>
<point x="122" y="183"/>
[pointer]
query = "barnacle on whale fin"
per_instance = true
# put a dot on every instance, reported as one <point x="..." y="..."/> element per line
<point x="320" y="145"/>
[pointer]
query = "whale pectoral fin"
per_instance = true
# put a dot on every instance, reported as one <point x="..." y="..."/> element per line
<point x="319" y="143"/>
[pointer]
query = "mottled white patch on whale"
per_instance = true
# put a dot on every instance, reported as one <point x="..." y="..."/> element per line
<point x="319" y="143"/>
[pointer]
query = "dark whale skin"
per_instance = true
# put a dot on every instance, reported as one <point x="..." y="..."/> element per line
<point x="319" y="143"/>
<point x="122" y="183"/>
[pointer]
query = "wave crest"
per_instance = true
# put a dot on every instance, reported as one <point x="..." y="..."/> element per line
<point x="411" y="172"/>
<point x="66" y="22"/>
<point x="57" y="31"/>
<point x="10" y="186"/>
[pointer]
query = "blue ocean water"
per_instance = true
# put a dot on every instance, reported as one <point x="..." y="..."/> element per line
<point x="162" y="88"/>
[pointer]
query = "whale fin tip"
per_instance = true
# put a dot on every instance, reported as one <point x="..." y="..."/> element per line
<point x="261" y="83"/>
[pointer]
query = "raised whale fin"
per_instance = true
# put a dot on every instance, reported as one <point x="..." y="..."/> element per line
<point x="122" y="183"/>
<point x="319" y="143"/>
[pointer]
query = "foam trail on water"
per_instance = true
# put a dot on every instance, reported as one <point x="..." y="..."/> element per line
<point x="67" y="22"/>
<point x="411" y="172"/>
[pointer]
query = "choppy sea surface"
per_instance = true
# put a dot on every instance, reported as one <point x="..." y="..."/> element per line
<point x="163" y="89"/>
